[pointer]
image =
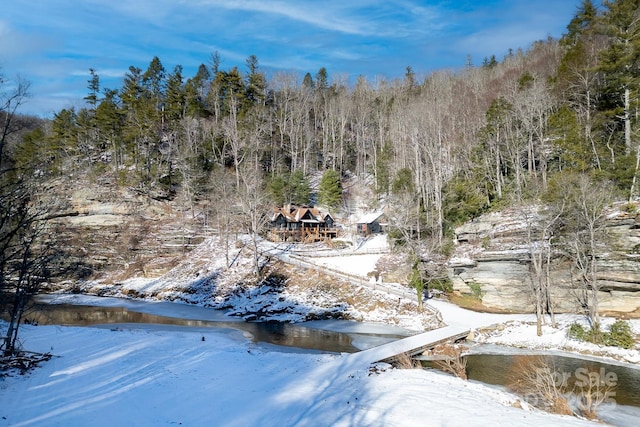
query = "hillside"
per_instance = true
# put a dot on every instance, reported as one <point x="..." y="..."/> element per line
<point x="155" y="251"/>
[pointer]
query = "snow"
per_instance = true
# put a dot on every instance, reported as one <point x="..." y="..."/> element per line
<point x="158" y="374"/>
<point x="153" y="375"/>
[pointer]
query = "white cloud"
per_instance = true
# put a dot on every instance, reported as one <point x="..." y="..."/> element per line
<point x="15" y="44"/>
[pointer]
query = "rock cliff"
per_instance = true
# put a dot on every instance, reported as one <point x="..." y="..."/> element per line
<point x="492" y="263"/>
<point x="106" y="230"/>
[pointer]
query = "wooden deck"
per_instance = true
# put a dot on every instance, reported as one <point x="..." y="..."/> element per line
<point x="413" y="345"/>
<point x="306" y="234"/>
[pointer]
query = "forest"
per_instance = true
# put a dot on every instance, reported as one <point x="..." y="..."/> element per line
<point x="555" y="124"/>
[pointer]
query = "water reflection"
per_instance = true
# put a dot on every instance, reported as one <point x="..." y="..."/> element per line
<point x="502" y="369"/>
<point x="284" y="334"/>
<point x="498" y="369"/>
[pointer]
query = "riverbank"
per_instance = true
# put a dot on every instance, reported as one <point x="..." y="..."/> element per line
<point x="157" y="376"/>
<point x="324" y="283"/>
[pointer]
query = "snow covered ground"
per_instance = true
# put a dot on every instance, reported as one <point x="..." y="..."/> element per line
<point x="157" y="375"/>
<point x="152" y="375"/>
<point x="163" y="375"/>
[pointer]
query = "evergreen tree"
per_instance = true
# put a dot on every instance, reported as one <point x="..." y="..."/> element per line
<point x="94" y="89"/>
<point x="620" y="63"/>
<point x="300" y="188"/>
<point x="196" y="92"/>
<point x="175" y="99"/>
<point x="109" y="120"/>
<point x="322" y="79"/>
<point x="308" y="82"/>
<point x="330" y="189"/>
<point x="153" y="83"/>
<point x="289" y="189"/>
<point x="256" y="83"/>
<point x="64" y="132"/>
<point x="581" y="24"/>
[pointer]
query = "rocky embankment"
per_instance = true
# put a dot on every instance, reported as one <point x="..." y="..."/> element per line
<point x="105" y="230"/>
<point x="492" y="263"/>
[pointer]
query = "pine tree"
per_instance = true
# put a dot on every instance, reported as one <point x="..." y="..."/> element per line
<point x="175" y="99"/>
<point x="330" y="190"/>
<point x="620" y="63"/>
<point x="94" y="89"/>
<point x="256" y="83"/>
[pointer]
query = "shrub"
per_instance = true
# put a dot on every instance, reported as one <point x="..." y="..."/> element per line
<point x="620" y="335"/>
<point x="447" y="248"/>
<point x="629" y="208"/>
<point x="476" y="290"/>
<point x="444" y="284"/>
<point x="535" y="378"/>
<point x="577" y="331"/>
<point x="453" y="360"/>
<point x="486" y="243"/>
<point x="596" y="335"/>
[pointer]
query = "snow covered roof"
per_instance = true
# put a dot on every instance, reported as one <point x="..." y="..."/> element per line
<point x="369" y="218"/>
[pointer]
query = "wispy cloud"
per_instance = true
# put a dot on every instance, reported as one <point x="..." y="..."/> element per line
<point x="51" y="42"/>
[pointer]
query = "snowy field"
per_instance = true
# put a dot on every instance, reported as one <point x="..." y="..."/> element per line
<point x="152" y="376"/>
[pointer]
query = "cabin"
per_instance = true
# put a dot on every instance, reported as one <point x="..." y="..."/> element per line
<point x="371" y="223"/>
<point x="301" y="224"/>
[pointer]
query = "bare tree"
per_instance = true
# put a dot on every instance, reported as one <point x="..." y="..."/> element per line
<point x="12" y="96"/>
<point x="223" y="206"/>
<point x="541" y="225"/>
<point x="253" y="202"/>
<point x="28" y="249"/>
<point x="584" y="235"/>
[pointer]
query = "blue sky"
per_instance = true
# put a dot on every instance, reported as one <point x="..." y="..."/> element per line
<point x="53" y="43"/>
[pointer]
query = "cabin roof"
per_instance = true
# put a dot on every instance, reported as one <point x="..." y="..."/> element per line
<point x="300" y="214"/>
<point x="369" y="218"/>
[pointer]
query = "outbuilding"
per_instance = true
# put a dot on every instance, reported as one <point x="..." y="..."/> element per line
<point x="371" y="223"/>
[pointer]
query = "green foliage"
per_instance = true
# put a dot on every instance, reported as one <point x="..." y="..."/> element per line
<point x="485" y="242"/>
<point x="289" y="188"/>
<point x="395" y="235"/>
<point x="403" y="182"/>
<point x="277" y="188"/>
<point x="447" y="248"/>
<point x="444" y="284"/>
<point x="417" y="283"/>
<point x="618" y="335"/>
<point x="330" y="189"/>
<point x="525" y="81"/>
<point x="382" y="173"/>
<point x="577" y="332"/>
<point x="300" y="189"/>
<point x="630" y="208"/>
<point x="571" y="152"/>
<point x="463" y="200"/>
<point x="36" y="152"/>
<point x="476" y="290"/>
<point x="621" y="172"/>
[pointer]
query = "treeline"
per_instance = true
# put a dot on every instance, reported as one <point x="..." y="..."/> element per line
<point x="557" y="124"/>
<point x="441" y="149"/>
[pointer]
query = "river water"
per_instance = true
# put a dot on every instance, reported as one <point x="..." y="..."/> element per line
<point x="323" y="335"/>
<point x="493" y="365"/>
<point x="620" y="382"/>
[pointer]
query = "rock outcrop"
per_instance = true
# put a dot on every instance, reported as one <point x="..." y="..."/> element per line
<point x="492" y="262"/>
<point x="105" y="229"/>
